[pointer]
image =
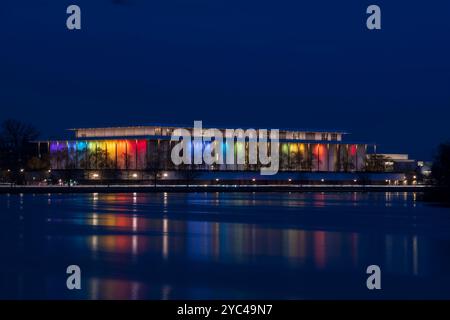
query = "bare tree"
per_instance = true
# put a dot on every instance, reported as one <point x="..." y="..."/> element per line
<point x="15" y="146"/>
<point x="441" y="166"/>
<point x="155" y="168"/>
<point x="38" y="164"/>
<point x="375" y="163"/>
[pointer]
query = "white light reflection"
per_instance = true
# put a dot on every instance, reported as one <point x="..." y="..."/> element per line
<point x="135" y="288"/>
<point x="134" y="200"/>
<point x="94" y="219"/>
<point x="415" y="257"/>
<point x="134" y="244"/>
<point x="134" y="222"/>
<point x="165" y="242"/>
<point x="94" y="286"/>
<point x="166" y="292"/>
<point x="94" y="247"/>
<point x="165" y="201"/>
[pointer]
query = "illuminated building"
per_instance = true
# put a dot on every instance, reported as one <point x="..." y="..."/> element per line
<point x="132" y="152"/>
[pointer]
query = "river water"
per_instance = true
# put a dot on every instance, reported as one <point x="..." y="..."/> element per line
<point x="223" y="245"/>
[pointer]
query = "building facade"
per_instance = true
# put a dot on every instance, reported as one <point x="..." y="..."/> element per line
<point x="130" y="152"/>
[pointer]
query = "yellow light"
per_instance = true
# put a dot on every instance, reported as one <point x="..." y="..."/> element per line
<point x="414" y="177"/>
<point x="95" y="175"/>
<point x="165" y="175"/>
<point x="293" y="147"/>
<point x="135" y="175"/>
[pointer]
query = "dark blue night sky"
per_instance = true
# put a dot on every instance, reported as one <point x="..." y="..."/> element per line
<point x="272" y="64"/>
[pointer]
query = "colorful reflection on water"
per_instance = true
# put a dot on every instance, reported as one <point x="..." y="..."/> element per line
<point x="223" y="245"/>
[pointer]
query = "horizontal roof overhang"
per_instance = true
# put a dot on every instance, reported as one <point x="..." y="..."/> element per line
<point x="213" y="127"/>
<point x="169" y="138"/>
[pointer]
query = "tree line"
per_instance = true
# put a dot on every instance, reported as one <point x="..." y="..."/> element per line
<point x="17" y="151"/>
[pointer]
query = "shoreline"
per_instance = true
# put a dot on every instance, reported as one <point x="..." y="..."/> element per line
<point x="212" y="188"/>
